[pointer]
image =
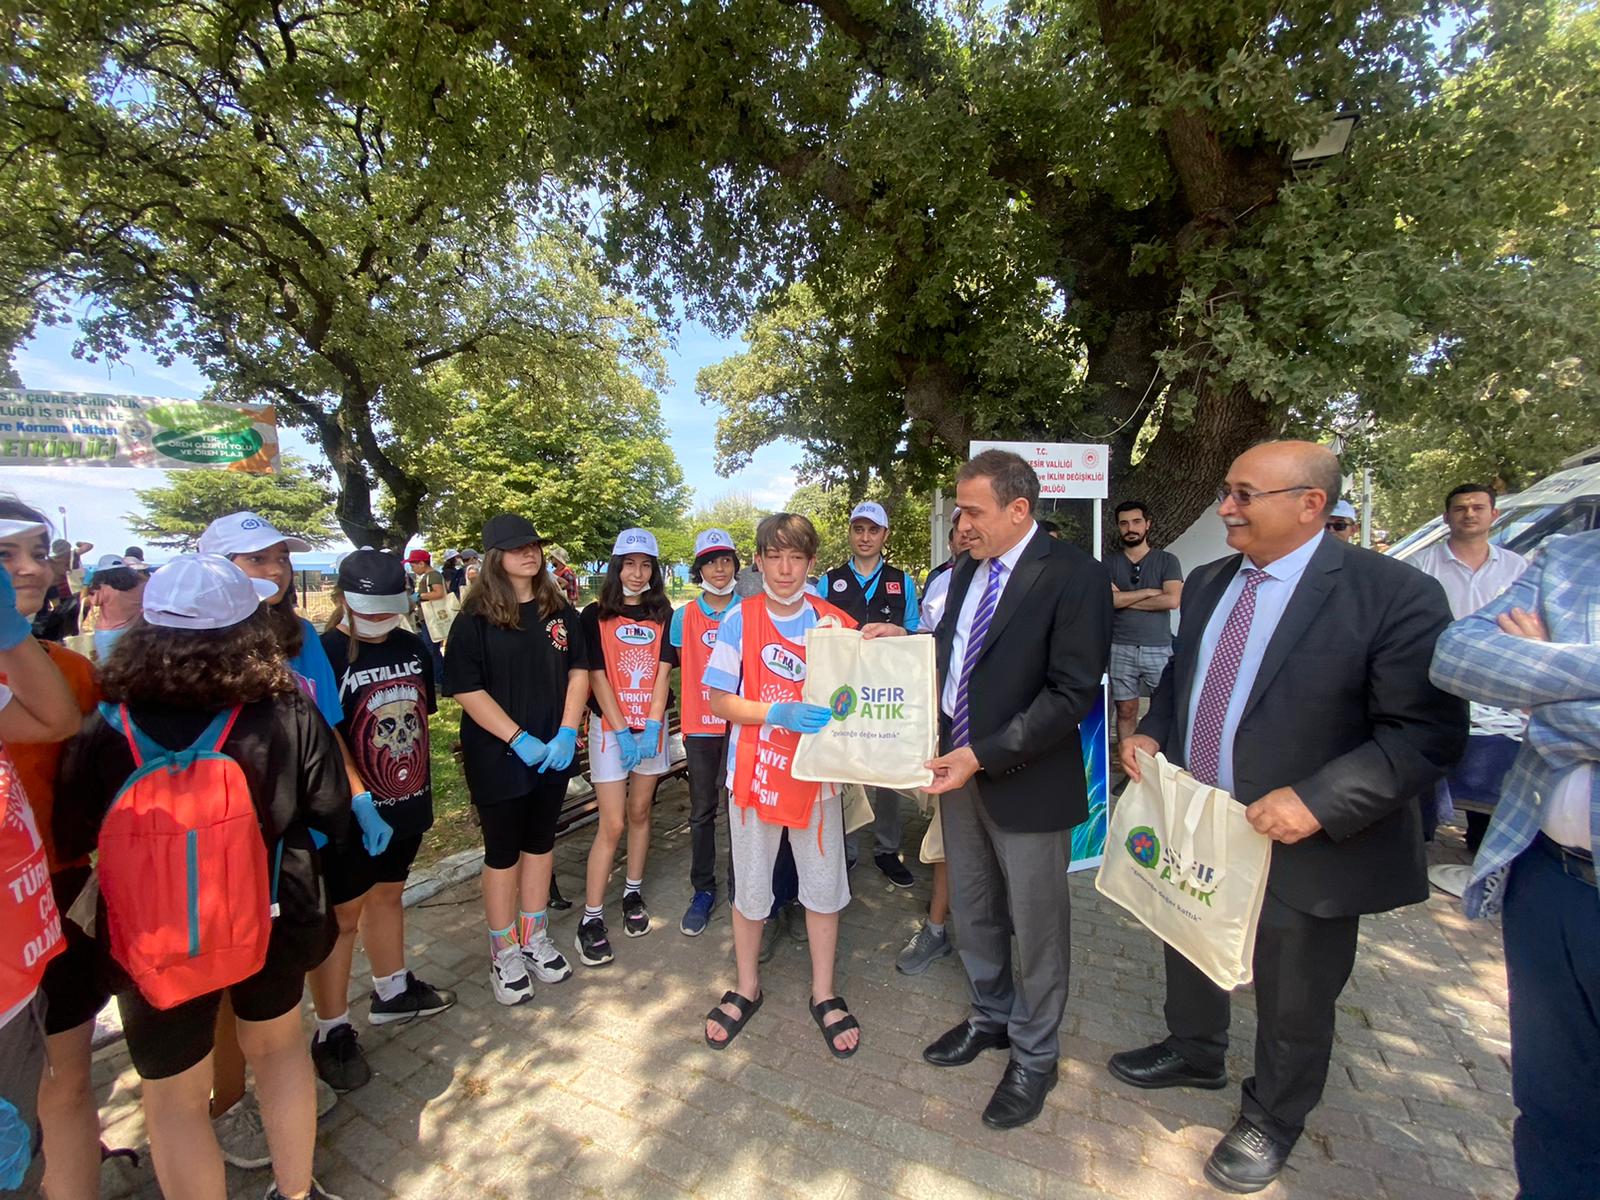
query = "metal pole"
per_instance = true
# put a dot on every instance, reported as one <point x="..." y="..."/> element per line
<point x="1366" y="507"/>
<point x="1099" y="529"/>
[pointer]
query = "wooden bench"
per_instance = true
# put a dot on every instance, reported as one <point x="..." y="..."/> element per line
<point x="582" y="807"/>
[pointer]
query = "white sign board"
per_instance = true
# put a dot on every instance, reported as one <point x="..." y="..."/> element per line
<point x="1066" y="470"/>
<point x="79" y="429"/>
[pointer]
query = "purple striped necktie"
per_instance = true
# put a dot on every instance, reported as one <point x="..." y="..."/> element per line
<point x="1211" y="710"/>
<point x="981" y="620"/>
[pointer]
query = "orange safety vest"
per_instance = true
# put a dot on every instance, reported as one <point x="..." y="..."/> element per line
<point x="632" y="653"/>
<point x="30" y="925"/>
<point x="699" y="636"/>
<point x="774" y="672"/>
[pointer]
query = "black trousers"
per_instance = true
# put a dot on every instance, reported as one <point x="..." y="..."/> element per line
<point x="708" y="768"/>
<point x="1302" y="963"/>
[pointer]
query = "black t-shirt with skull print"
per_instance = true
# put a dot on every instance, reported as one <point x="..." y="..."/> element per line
<point x="387" y="695"/>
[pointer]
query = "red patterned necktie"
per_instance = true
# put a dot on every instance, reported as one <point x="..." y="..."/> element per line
<point x="1205" y="747"/>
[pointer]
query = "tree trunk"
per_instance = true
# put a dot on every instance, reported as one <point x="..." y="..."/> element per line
<point x="1182" y="468"/>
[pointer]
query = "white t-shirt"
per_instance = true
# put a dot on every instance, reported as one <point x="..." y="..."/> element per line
<point x="1566" y="815"/>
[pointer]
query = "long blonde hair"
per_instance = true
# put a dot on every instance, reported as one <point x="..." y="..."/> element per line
<point x="494" y="597"/>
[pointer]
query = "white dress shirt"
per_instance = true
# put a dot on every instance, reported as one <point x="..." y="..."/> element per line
<point x="1272" y="597"/>
<point x="969" y="609"/>
<point x="1466" y="589"/>
<point x="933" y="602"/>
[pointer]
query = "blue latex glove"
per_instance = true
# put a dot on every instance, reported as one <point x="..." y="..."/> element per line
<point x="650" y="740"/>
<point x="528" y="748"/>
<point x="14" y="627"/>
<point x="375" y="831"/>
<point x="798" y="717"/>
<point x="560" y="750"/>
<point x="628" y="747"/>
<point x="16" y="1142"/>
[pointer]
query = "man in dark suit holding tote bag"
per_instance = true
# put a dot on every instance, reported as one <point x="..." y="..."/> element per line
<point x="1299" y="684"/>
<point x="1022" y="647"/>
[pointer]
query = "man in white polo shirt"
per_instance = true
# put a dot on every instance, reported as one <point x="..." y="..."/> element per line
<point x="1474" y="571"/>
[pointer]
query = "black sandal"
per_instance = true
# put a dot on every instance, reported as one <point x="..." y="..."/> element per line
<point x="829" y="1032"/>
<point x="747" y="1009"/>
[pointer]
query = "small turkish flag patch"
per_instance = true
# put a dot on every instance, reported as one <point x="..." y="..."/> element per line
<point x="892" y="588"/>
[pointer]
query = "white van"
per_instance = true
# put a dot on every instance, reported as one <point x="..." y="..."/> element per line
<point x="1560" y="504"/>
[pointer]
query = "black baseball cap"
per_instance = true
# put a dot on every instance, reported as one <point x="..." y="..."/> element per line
<point x="373" y="583"/>
<point x="508" y="531"/>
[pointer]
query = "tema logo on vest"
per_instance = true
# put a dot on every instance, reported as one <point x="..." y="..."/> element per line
<point x="636" y="635"/>
<point x="709" y="637"/>
<point x="783" y="662"/>
<point x="1144" y="847"/>
<point x="873" y="703"/>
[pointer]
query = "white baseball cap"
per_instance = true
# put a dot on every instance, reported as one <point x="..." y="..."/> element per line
<point x="20" y="529"/>
<point x="245" y="533"/>
<point x="1344" y="511"/>
<point x="636" y="541"/>
<point x="870" y="511"/>
<point x="712" y="541"/>
<point x="203" y="591"/>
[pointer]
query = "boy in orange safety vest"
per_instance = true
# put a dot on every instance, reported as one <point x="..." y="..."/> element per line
<point x="755" y="675"/>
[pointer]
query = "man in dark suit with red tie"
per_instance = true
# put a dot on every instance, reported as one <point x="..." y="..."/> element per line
<point x="1299" y="684"/>
<point x="1022" y="647"/>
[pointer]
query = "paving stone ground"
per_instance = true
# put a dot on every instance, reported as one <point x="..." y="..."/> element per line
<point x="602" y="1086"/>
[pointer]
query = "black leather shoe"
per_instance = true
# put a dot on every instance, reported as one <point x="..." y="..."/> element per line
<point x="963" y="1044"/>
<point x="1019" y="1098"/>
<point x="1160" y="1066"/>
<point x="1245" y="1160"/>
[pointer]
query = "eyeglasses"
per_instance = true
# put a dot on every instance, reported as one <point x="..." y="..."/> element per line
<point x="1338" y="526"/>
<point x="1243" y="498"/>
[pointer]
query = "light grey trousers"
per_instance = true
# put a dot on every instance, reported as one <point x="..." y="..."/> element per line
<point x="1004" y="883"/>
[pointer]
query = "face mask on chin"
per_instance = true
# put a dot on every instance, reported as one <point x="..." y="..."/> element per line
<point x="630" y="594"/>
<point x="374" y="626"/>
<point x="709" y="590"/>
<point x="792" y="598"/>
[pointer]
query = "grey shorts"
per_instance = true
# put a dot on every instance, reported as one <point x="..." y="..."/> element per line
<point x="1135" y="670"/>
<point x="21" y="1066"/>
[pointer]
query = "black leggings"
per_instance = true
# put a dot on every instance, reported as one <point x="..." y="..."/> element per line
<point x="524" y="824"/>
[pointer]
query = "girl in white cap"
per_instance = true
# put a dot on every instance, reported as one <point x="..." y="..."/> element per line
<point x="626" y="635"/>
<point x="261" y="552"/>
<point x="202" y="670"/>
<point x="705" y="735"/>
<point x="71" y="986"/>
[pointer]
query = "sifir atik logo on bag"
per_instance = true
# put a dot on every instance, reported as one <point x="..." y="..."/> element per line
<point x="1144" y="847"/>
<point x="870" y="703"/>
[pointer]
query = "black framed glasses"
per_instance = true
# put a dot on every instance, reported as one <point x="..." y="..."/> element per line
<point x="1339" y="526"/>
<point x="1243" y="498"/>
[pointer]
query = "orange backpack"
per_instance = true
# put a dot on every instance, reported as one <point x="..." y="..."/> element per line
<point x="183" y="867"/>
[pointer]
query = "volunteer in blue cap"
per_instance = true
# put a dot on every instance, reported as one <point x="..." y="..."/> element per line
<point x="873" y="592"/>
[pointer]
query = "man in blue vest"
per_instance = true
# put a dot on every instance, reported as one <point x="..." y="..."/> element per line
<point x="872" y="591"/>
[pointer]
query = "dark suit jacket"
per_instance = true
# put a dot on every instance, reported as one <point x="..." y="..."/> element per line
<point x="1037" y="677"/>
<point x="1342" y="711"/>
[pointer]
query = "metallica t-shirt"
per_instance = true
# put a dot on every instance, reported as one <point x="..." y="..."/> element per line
<point x="386" y="695"/>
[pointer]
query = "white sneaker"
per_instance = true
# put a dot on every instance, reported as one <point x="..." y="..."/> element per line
<point x="509" y="976"/>
<point x="239" y="1133"/>
<point x="545" y="961"/>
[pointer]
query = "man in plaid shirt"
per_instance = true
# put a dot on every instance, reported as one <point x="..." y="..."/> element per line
<point x="1538" y="648"/>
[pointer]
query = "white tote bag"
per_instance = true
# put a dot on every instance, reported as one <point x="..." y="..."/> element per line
<point x="1182" y="857"/>
<point x="440" y="615"/>
<point x="885" y="718"/>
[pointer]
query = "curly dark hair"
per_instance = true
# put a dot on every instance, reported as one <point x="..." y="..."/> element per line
<point x="204" y="669"/>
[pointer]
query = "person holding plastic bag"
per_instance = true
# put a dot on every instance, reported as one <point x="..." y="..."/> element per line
<point x="755" y="675"/>
<point x="1299" y="685"/>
